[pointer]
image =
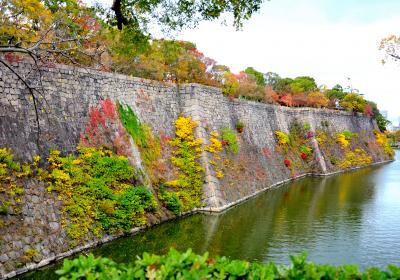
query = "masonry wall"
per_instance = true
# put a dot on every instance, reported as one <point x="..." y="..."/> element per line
<point x="63" y="106"/>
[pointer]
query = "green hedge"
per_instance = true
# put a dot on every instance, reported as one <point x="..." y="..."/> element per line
<point x="176" y="265"/>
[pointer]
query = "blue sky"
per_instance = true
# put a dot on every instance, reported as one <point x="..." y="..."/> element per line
<point x="358" y="10"/>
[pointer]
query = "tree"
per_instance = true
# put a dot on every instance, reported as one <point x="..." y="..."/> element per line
<point x="353" y="102"/>
<point x="230" y="84"/>
<point x="61" y="31"/>
<point x="249" y="88"/>
<point x="44" y="32"/>
<point x="282" y="85"/>
<point x="176" y="14"/>
<point x="391" y="46"/>
<point x="303" y="84"/>
<point x="336" y="92"/>
<point x="171" y="60"/>
<point x="317" y="99"/>
<point x="381" y="121"/>
<point x="272" y="79"/>
<point x="258" y="76"/>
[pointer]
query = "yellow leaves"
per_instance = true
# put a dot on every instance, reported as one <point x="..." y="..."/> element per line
<point x="76" y="162"/>
<point x="318" y="99"/>
<point x="358" y="157"/>
<point x="321" y="137"/>
<point x="27" y="16"/>
<point x="341" y="139"/>
<point x="36" y="159"/>
<point x="215" y="146"/>
<point x="383" y="142"/>
<point x="219" y="174"/>
<point x="282" y="138"/>
<point x="184" y="128"/>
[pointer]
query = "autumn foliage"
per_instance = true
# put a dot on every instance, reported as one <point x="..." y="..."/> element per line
<point x="104" y="129"/>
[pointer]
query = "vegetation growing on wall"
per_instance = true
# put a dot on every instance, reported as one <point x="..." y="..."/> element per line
<point x="104" y="129"/>
<point x="229" y="140"/>
<point x="11" y="184"/>
<point x="187" y="149"/>
<point x="188" y="265"/>
<point x="296" y="146"/>
<point x="215" y="148"/>
<point x="344" y="138"/>
<point x="384" y="143"/>
<point x="98" y="192"/>
<point x="149" y="145"/>
<point x="347" y="149"/>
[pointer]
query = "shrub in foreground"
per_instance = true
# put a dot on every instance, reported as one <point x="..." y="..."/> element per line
<point x="187" y="265"/>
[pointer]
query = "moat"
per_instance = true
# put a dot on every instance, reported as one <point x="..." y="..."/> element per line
<point x="348" y="218"/>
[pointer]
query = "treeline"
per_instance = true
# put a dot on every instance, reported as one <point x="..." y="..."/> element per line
<point x="67" y="31"/>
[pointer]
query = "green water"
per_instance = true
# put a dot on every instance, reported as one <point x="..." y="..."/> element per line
<point x="348" y="218"/>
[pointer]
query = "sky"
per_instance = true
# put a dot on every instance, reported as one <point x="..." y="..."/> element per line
<point x="330" y="40"/>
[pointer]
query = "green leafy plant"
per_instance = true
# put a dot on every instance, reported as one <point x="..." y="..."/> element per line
<point x="188" y="265"/>
<point x="11" y="186"/>
<point x="148" y="144"/>
<point x="306" y="126"/>
<point x="98" y="192"/>
<point x="239" y="126"/>
<point x="229" y="137"/>
<point x="325" y="123"/>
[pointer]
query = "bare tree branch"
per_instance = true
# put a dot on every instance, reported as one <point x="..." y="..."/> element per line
<point x="31" y="92"/>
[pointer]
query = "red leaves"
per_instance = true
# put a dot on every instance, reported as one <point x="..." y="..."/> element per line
<point x="108" y="109"/>
<point x="13" y="58"/>
<point x="304" y="156"/>
<point x="104" y="128"/>
<point x="287" y="162"/>
<point x="286" y="100"/>
<point x="96" y="117"/>
<point x="368" y="111"/>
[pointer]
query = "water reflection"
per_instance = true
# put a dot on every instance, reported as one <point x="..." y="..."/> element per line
<point x="348" y="218"/>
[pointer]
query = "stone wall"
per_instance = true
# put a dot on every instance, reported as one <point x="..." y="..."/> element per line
<point x="63" y="106"/>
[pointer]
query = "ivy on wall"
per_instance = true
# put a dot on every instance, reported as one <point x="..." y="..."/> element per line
<point x="98" y="192"/>
<point x="149" y="145"/>
<point x="11" y="186"/>
<point x="296" y="146"/>
<point x="189" y="172"/>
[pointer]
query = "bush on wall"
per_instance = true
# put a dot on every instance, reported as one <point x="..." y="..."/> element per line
<point x="98" y="192"/>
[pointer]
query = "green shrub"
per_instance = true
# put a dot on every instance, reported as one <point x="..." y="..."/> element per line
<point x="229" y="136"/>
<point x="239" y="126"/>
<point x="171" y="202"/>
<point x="188" y="265"/>
<point x="325" y="123"/>
<point x="306" y="149"/>
<point x="348" y="134"/>
<point x="98" y="192"/>
<point x="148" y="144"/>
